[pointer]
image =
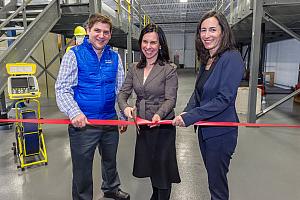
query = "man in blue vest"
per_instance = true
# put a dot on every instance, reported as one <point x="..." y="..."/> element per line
<point x="89" y="78"/>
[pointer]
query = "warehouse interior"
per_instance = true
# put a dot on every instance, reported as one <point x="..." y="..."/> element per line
<point x="266" y="160"/>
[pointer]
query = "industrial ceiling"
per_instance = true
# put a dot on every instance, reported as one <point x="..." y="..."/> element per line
<point x="177" y="16"/>
<point x="174" y="16"/>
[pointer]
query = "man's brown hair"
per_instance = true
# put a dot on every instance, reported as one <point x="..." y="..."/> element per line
<point x="97" y="17"/>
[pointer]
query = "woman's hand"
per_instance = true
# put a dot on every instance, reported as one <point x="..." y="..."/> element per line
<point x="122" y="128"/>
<point x="155" y="118"/>
<point x="128" y="111"/>
<point x="178" y="121"/>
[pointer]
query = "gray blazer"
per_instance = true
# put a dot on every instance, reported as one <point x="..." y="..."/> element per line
<point x="156" y="96"/>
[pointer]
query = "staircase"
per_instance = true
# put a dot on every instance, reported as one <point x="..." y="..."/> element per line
<point x="22" y="27"/>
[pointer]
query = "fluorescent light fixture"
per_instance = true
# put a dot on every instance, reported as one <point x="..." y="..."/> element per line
<point x="183" y="1"/>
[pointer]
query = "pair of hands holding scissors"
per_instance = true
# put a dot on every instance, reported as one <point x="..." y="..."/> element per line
<point x="130" y="112"/>
<point x="177" y="121"/>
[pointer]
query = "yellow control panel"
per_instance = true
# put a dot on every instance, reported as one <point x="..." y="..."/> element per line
<point x="21" y="83"/>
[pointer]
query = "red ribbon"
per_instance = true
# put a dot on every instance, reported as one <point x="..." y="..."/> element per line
<point x="144" y="122"/>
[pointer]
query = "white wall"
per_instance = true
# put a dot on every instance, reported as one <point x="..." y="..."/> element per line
<point x="283" y="58"/>
<point x="184" y="46"/>
<point x="189" y="54"/>
<point x="176" y="46"/>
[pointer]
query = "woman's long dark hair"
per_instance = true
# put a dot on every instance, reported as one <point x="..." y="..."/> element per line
<point x="227" y="40"/>
<point x="163" y="52"/>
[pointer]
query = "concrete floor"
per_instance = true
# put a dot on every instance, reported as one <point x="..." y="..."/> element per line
<point x="264" y="167"/>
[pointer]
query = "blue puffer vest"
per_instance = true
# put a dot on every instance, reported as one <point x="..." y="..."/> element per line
<point x="95" y="91"/>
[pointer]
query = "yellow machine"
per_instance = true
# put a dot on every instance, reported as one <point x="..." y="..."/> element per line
<point x="23" y="87"/>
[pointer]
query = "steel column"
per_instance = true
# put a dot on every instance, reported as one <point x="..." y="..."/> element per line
<point x="2" y="103"/>
<point x="299" y="74"/>
<point x="122" y="55"/>
<point x="129" y="42"/>
<point x="231" y="11"/>
<point x="262" y="52"/>
<point x="254" y="59"/>
<point x="24" y="15"/>
<point x="95" y="6"/>
<point x="280" y="2"/>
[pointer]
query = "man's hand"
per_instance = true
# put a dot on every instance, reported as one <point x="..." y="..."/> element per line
<point x="79" y="121"/>
<point x="122" y="128"/>
<point x="128" y="111"/>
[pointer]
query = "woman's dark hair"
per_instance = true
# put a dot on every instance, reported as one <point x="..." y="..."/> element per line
<point x="227" y="40"/>
<point x="163" y="52"/>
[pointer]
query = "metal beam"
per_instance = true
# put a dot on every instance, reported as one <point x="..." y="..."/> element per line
<point x="269" y="18"/>
<point x="254" y="59"/>
<point x="231" y="11"/>
<point x="171" y="12"/>
<point x="176" y="3"/>
<point x="280" y="2"/>
<point x="95" y="6"/>
<point x="129" y="42"/>
<point x="44" y="69"/>
<point x="180" y="22"/>
<point x="278" y="103"/>
<point x="2" y="103"/>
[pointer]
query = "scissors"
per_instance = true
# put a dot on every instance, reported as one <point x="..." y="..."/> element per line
<point x="134" y="120"/>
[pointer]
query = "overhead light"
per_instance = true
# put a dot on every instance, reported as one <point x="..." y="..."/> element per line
<point x="183" y="1"/>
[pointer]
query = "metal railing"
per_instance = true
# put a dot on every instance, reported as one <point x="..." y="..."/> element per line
<point x="126" y="11"/>
<point x="16" y="13"/>
<point x="234" y="10"/>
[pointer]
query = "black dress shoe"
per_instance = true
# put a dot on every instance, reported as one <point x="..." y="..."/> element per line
<point x="117" y="195"/>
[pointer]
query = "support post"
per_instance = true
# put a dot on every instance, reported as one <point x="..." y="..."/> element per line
<point x="254" y="59"/>
<point x="231" y="11"/>
<point x="129" y="36"/>
<point x="3" y="103"/>
<point x="95" y="6"/>
<point x="122" y="55"/>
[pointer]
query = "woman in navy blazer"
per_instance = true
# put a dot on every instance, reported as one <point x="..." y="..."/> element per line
<point x="213" y="99"/>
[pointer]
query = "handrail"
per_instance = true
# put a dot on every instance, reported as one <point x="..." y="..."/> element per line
<point x="278" y="103"/>
<point x="237" y="8"/>
<point x="3" y="24"/>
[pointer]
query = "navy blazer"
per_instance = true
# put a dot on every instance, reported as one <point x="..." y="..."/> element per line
<point x="217" y="102"/>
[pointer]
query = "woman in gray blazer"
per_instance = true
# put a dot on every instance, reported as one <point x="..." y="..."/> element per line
<point x="154" y="80"/>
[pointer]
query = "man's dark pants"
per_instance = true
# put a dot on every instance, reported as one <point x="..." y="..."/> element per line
<point x="83" y="142"/>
